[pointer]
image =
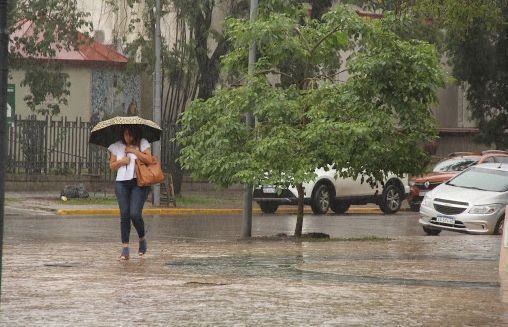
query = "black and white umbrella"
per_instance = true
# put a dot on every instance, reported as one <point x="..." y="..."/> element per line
<point x="109" y="131"/>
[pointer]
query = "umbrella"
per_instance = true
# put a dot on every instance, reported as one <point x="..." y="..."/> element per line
<point x="109" y="131"/>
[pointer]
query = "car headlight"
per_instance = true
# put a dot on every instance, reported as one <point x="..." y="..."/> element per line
<point x="485" y="209"/>
<point x="427" y="200"/>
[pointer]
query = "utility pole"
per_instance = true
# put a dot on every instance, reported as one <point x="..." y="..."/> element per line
<point x="247" y="198"/>
<point x="157" y="93"/>
<point x="4" y="71"/>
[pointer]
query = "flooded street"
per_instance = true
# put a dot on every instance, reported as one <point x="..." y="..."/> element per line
<point x="63" y="271"/>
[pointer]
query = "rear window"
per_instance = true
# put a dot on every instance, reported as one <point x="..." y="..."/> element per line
<point x="482" y="179"/>
<point x="454" y="164"/>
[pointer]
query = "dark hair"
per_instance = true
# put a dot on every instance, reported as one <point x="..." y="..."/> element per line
<point x="134" y="131"/>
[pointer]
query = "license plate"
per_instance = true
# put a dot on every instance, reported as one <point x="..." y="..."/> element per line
<point x="422" y="193"/>
<point x="268" y="189"/>
<point x="445" y="220"/>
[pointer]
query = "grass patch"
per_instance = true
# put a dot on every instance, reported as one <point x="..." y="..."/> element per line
<point x="199" y="200"/>
<point x="181" y="201"/>
<point x="89" y="201"/>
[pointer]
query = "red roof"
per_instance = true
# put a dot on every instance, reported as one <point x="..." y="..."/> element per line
<point x="369" y="14"/>
<point x="428" y="21"/>
<point x="89" y="51"/>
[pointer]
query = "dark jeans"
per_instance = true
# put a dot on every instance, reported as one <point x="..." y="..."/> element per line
<point x="131" y="199"/>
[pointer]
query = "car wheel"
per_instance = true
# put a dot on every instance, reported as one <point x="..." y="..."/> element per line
<point x="321" y="199"/>
<point x="268" y="207"/>
<point x="431" y="231"/>
<point x="339" y="206"/>
<point x="391" y="199"/>
<point x="498" y="230"/>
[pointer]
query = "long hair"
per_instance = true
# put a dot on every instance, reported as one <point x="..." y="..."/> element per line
<point x="134" y="131"/>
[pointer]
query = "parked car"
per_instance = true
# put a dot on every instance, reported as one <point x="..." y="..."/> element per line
<point x="472" y="202"/>
<point x="326" y="192"/>
<point x="448" y="168"/>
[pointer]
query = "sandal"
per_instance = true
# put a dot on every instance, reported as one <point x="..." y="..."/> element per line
<point x="124" y="255"/>
<point x="142" y="247"/>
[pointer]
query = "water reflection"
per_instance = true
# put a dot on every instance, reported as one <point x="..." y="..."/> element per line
<point x="289" y="267"/>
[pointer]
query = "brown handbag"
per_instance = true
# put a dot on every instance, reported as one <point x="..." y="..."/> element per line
<point x="149" y="174"/>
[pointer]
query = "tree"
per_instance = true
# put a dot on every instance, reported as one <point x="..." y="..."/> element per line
<point x="191" y="64"/>
<point x="367" y="125"/>
<point x="54" y="25"/>
<point x="473" y="34"/>
<point x="479" y="56"/>
<point x="190" y="61"/>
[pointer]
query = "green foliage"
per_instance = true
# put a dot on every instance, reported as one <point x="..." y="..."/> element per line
<point x="457" y="16"/>
<point x="55" y="25"/>
<point x="372" y="123"/>
<point x="190" y="61"/>
<point x="473" y="36"/>
<point x="49" y="89"/>
<point x="479" y="56"/>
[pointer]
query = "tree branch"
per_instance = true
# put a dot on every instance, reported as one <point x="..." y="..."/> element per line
<point x="302" y="37"/>
<point x="331" y="77"/>
<point x="323" y="39"/>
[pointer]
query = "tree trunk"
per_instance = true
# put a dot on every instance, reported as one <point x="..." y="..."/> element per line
<point x="299" y="215"/>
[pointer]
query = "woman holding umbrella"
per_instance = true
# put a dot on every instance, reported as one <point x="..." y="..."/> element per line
<point x="127" y="139"/>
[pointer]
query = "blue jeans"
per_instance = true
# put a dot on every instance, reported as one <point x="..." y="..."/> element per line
<point x="131" y="199"/>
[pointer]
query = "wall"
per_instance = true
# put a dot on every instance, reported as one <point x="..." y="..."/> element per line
<point x="112" y="24"/>
<point x="105" y="92"/>
<point x="114" y="93"/>
<point x="458" y="142"/>
<point x="79" y="100"/>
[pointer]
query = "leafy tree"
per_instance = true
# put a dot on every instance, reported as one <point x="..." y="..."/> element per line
<point x="190" y="61"/>
<point x="473" y="34"/>
<point x="479" y="56"/>
<point x="191" y="64"/>
<point x="54" y="24"/>
<point x="367" y="124"/>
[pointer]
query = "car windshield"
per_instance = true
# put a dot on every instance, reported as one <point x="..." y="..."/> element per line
<point x="454" y="164"/>
<point x="482" y="179"/>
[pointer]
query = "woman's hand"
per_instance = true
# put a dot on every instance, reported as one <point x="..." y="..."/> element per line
<point x="114" y="164"/>
<point x="124" y="161"/>
<point x="131" y="149"/>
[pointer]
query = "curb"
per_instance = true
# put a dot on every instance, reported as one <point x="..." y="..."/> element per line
<point x="197" y="211"/>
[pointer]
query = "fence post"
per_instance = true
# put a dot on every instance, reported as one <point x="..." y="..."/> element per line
<point x="46" y="134"/>
<point x="80" y="145"/>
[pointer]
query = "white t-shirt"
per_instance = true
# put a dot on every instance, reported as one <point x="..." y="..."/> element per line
<point x="128" y="172"/>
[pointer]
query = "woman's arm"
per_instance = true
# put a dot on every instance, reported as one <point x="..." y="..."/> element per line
<point x="145" y="156"/>
<point x="114" y="164"/>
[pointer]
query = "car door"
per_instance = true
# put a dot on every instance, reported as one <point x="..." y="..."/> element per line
<point x="346" y="187"/>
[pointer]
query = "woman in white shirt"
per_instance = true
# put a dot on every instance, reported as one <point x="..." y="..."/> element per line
<point x="131" y="198"/>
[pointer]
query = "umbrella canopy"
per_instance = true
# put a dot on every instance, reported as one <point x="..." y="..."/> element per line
<point x="109" y="131"/>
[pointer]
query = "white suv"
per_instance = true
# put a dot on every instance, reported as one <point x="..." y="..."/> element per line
<point x="339" y="194"/>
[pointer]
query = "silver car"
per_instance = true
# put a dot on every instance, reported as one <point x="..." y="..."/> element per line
<point x="472" y="202"/>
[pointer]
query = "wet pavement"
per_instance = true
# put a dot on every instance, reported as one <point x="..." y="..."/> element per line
<point x="63" y="271"/>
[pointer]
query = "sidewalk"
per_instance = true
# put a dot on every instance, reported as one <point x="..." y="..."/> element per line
<point x="192" y="202"/>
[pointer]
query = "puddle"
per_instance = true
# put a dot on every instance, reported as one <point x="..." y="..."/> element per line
<point x="287" y="267"/>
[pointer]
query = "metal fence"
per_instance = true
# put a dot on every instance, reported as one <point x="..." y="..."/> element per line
<point x="60" y="147"/>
